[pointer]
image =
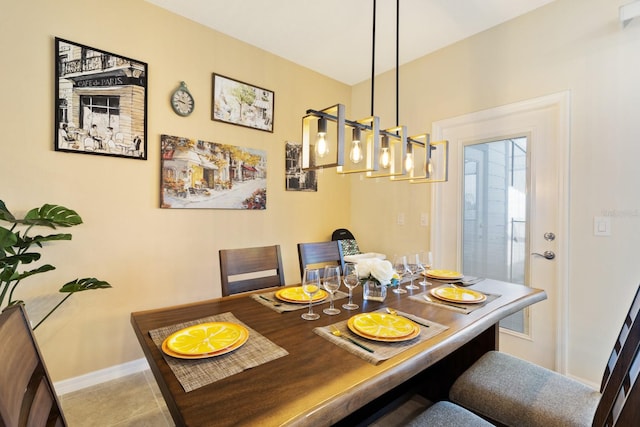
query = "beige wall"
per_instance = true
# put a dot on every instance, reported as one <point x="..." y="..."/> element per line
<point x="153" y="257"/>
<point x="573" y="45"/>
<point x="158" y="257"/>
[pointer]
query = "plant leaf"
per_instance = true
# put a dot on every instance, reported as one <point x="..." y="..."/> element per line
<point x="7" y="237"/>
<point x="19" y="276"/>
<point x="86" y="284"/>
<point x="52" y="216"/>
<point x="5" y="214"/>
<point x="25" y="258"/>
<point x="28" y="241"/>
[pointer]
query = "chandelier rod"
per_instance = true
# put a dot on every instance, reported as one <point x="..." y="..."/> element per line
<point x="397" y="62"/>
<point x="373" y="56"/>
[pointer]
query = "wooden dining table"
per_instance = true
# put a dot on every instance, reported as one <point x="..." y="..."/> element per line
<point x="318" y="382"/>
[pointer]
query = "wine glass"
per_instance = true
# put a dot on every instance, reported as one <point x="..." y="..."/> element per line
<point x="331" y="282"/>
<point x="350" y="279"/>
<point x="311" y="286"/>
<point x="425" y="259"/>
<point x="412" y="269"/>
<point x="399" y="264"/>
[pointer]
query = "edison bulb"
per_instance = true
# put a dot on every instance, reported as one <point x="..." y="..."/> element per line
<point x="385" y="158"/>
<point x="408" y="162"/>
<point x="322" y="149"/>
<point x="356" y="152"/>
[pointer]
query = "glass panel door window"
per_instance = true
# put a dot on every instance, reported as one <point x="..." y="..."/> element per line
<point x="495" y="231"/>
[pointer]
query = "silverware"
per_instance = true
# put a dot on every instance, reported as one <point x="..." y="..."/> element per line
<point x="443" y="303"/>
<point x="395" y="313"/>
<point x="337" y="333"/>
<point x="275" y="303"/>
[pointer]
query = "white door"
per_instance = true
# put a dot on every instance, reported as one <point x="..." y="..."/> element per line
<point x="505" y="201"/>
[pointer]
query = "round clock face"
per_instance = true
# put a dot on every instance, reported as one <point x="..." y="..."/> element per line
<point x="182" y="101"/>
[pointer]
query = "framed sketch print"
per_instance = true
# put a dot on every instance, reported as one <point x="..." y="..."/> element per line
<point x="297" y="179"/>
<point x="100" y="102"/>
<point x="198" y="174"/>
<point x="242" y="104"/>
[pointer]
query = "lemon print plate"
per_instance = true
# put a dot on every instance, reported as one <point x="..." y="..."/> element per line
<point x="205" y="340"/>
<point x="383" y="327"/>
<point x="455" y="294"/>
<point x="444" y="274"/>
<point x="297" y="295"/>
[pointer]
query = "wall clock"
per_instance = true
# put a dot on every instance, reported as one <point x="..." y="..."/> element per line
<point x="182" y="101"/>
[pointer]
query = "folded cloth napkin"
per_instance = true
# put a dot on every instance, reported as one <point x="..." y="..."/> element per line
<point x="381" y="350"/>
<point x="465" y="281"/>
<point x="269" y="299"/>
<point x="196" y="373"/>
<point x="469" y="280"/>
<point x="427" y="298"/>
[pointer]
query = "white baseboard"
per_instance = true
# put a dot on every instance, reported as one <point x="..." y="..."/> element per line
<point x="97" y="377"/>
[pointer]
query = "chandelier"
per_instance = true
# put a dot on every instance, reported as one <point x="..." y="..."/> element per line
<point x="329" y="139"/>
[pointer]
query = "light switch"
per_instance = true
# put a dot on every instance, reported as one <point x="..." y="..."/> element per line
<point x="401" y="219"/>
<point x="424" y="219"/>
<point x="602" y="226"/>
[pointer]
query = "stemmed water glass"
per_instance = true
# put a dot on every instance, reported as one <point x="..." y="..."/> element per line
<point x="350" y="279"/>
<point x="411" y="266"/>
<point x="311" y="286"/>
<point x="400" y="265"/>
<point x="425" y="261"/>
<point x="331" y="282"/>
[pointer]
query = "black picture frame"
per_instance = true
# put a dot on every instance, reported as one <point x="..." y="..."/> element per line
<point x="100" y="102"/>
<point x="296" y="178"/>
<point x="242" y="104"/>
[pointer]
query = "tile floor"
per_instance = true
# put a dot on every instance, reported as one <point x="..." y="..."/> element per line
<point x="136" y="401"/>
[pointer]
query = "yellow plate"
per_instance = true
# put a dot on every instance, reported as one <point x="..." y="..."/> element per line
<point x="204" y="338"/>
<point x="297" y="295"/>
<point x="444" y="274"/>
<point x="243" y="338"/>
<point x="449" y="293"/>
<point x="414" y="333"/>
<point x="382" y="325"/>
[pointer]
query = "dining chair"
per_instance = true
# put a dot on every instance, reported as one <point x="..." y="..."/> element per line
<point x="514" y="392"/>
<point x="347" y="241"/>
<point x="250" y="269"/>
<point x="320" y="254"/>
<point x="27" y="396"/>
<point x="447" y="414"/>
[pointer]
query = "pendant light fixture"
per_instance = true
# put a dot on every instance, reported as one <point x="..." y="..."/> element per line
<point x="377" y="153"/>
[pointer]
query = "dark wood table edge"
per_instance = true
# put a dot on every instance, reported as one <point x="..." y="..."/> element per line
<point x="485" y="327"/>
<point x="333" y="410"/>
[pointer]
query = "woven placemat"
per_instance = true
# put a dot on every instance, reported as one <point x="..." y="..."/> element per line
<point x="427" y="298"/>
<point x="196" y="373"/>
<point x="269" y="299"/>
<point x="381" y="350"/>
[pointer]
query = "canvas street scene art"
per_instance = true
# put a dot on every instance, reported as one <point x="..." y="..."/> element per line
<point x="198" y="174"/>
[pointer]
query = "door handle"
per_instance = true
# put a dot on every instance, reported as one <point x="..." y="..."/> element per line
<point x="547" y="254"/>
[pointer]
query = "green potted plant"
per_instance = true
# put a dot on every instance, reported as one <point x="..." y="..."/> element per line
<point x="18" y="248"/>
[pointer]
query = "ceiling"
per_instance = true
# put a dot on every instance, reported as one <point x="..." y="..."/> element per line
<point x="334" y="37"/>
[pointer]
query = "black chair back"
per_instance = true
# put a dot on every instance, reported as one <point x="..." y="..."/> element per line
<point x="620" y="402"/>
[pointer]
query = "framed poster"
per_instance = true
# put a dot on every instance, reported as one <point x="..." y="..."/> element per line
<point x="199" y="174"/>
<point x="242" y="104"/>
<point x="297" y="179"/>
<point x="100" y="102"/>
